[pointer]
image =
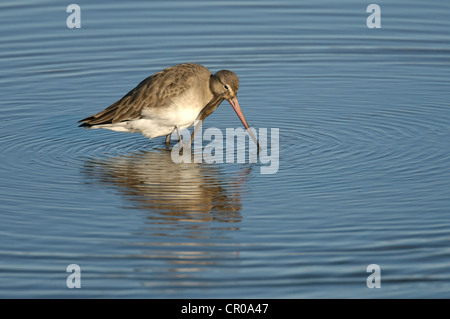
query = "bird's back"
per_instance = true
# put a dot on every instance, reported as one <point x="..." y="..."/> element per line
<point x="156" y="93"/>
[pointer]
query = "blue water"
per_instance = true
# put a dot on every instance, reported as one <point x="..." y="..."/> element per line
<point x="364" y="164"/>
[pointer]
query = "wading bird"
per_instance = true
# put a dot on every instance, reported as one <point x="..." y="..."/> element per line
<point x="173" y="99"/>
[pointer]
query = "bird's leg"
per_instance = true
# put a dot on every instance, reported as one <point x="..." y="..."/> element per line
<point x="179" y="135"/>
<point x="168" y="139"/>
<point x="199" y="123"/>
<point x="179" y="138"/>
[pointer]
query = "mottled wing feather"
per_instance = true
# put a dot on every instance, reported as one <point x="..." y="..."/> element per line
<point x="154" y="92"/>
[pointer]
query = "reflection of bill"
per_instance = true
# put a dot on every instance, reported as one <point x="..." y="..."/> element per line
<point x="231" y="149"/>
<point x="178" y="192"/>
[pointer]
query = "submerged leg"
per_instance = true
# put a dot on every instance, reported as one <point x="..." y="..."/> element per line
<point x="168" y="139"/>
<point x="195" y="131"/>
<point x="180" y="140"/>
<point x="179" y="135"/>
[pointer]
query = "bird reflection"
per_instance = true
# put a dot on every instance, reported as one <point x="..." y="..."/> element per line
<point x="193" y="192"/>
<point x="190" y="209"/>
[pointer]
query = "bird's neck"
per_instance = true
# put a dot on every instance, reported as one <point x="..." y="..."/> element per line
<point x="211" y="106"/>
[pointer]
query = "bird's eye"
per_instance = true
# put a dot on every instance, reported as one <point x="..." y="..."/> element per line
<point x="225" y="87"/>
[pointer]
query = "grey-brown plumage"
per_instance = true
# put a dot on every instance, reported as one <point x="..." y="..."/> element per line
<point x="172" y="99"/>
<point x="156" y="91"/>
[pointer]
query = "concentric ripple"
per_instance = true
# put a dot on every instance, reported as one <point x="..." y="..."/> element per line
<point x="364" y="154"/>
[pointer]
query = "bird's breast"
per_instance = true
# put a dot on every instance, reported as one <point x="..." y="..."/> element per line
<point x="181" y="112"/>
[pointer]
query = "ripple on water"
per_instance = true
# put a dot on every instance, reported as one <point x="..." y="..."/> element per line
<point x="361" y="150"/>
<point x="364" y="146"/>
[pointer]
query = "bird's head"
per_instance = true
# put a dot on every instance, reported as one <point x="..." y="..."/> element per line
<point x="225" y="83"/>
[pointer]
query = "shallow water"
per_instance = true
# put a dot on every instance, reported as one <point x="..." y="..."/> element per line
<point x="364" y="171"/>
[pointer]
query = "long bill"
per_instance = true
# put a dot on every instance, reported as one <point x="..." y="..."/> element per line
<point x="235" y="104"/>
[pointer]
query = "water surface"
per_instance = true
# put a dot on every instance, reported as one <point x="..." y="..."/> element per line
<point x="364" y="173"/>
